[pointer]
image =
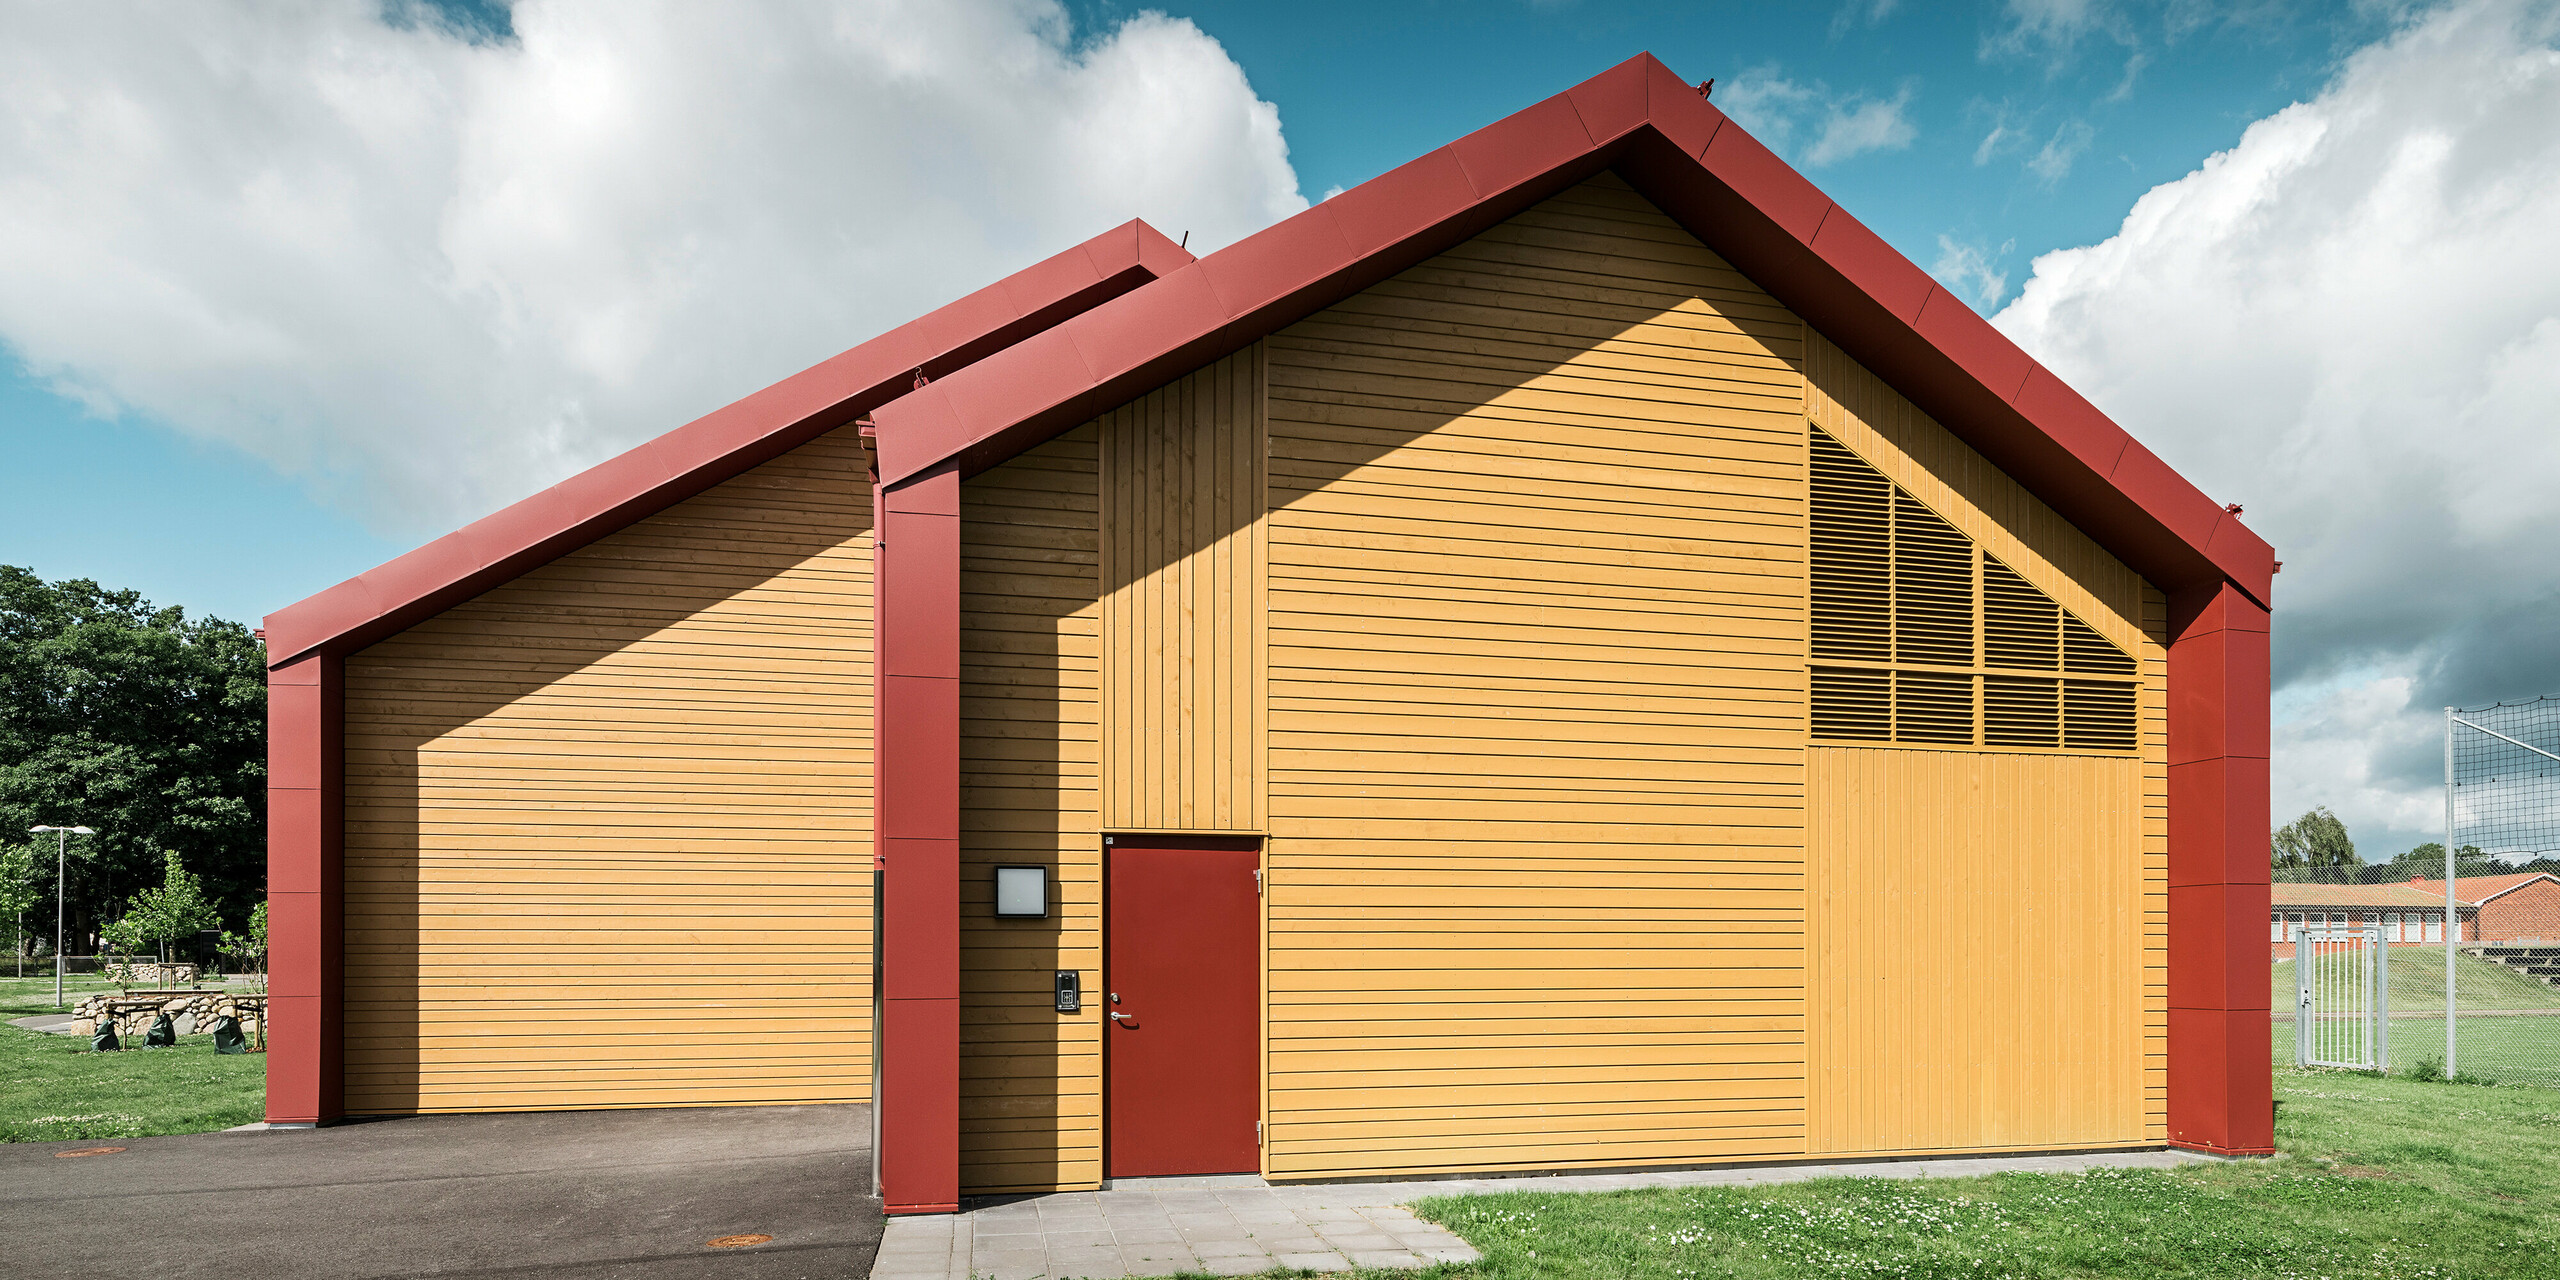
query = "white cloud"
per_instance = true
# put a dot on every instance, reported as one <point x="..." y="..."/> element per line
<point x="1780" y="111"/>
<point x="1857" y="13"/>
<point x="1996" y="141"/>
<point x="431" y="273"/>
<point x="2054" y="29"/>
<point x="2052" y="162"/>
<point x="1768" y="104"/>
<point x="2350" y="322"/>
<point x="2338" y="741"/>
<point x="1971" y="270"/>
<point x="1860" y="125"/>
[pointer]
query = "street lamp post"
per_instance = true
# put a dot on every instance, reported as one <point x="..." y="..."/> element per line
<point x="61" y="860"/>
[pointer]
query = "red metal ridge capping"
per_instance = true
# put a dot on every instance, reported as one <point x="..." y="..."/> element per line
<point x="1705" y="171"/>
<point x="719" y="445"/>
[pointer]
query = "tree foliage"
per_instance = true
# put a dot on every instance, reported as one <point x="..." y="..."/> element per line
<point x="2316" y="839"/>
<point x="2428" y="859"/>
<point x="172" y="910"/>
<point x="2427" y="862"/>
<point x="17" y="890"/>
<point x="250" y="943"/>
<point x="141" y="722"/>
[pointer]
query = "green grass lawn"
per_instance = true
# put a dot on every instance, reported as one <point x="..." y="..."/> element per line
<point x="52" y="1088"/>
<point x="2417" y="983"/>
<point x="2507" y="1049"/>
<point x="2380" y="1178"/>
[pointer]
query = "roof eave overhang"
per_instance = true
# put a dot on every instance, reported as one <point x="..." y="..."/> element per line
<point x="1715" y="179"/>
<point x="2489" y="898"/>
<point x="718" y="446"/>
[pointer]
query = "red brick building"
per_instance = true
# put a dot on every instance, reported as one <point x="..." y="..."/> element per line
<point x="2514" y="908"/>
<point x="2410" y="914"/>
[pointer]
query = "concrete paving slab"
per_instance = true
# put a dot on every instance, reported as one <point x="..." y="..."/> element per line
<point x="625" y="1195"/>
<point x="1239" y="1227"/>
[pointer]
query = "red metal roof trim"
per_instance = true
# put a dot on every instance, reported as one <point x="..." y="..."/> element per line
<point x="1706" y="172"/>
<point x="719" y="446"/>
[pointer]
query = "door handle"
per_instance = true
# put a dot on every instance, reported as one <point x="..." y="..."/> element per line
<point x="1120" y="1017"/>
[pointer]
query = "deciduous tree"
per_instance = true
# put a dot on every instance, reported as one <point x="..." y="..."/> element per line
<point x="2316" y="839"/>
<point x="175" y="908"/>
<point x="17" y="893"/>
<point x="139" y="721"/>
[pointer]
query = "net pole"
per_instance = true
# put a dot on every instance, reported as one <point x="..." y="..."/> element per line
<point x="2452" y="921"/>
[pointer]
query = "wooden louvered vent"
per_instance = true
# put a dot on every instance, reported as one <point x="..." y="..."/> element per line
<point x="1922" y="637"/>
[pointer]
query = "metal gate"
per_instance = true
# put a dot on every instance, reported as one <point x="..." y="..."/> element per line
<point x="2342" y="1015"/>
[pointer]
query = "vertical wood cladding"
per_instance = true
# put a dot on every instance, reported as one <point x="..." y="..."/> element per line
<point x="609" y="825"/>
<point x="1537" y="637"/>
<point x="1978" y="954"/>
<point x="1182" y="581"/>
<point x="1856" y="793"/>
<point x="1030" y="745"/>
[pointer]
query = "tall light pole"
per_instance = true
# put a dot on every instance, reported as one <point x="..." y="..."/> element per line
<point x="61" y="859"/>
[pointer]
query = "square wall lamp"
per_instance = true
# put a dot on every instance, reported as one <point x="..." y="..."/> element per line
<point x="1022" y="893"/>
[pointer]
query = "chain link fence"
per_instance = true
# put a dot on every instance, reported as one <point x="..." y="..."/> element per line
<point x="2480" y="997"/>
<point x="2502" y="816"/>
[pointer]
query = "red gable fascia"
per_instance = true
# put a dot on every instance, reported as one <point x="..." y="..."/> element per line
<point x="719" y="445"/>
<point x="1706" y="172"/>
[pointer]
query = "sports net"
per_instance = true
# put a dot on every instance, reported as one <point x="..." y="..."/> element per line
<point x="2502" y="802"/>
<point x="2483" y="998"/>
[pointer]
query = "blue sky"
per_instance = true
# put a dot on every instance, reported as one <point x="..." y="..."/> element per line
<point x="130" y="501"/>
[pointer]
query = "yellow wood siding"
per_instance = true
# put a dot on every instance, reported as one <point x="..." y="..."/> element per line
<point x="1994" y="510"/>
<point x="1535" y="762"/>
<point x="1977" y="950"/>
<point x="1030" y="742"/>
<point x="1537" y="636"/>
<point x="1182" y="607"/>
<point x="608" y="827"/>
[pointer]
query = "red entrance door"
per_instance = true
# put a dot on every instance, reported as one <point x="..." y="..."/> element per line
<point x="1182" y="979"/>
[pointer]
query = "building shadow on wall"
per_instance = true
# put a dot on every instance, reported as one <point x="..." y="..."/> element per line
<point x="472" y="731"/>
<point x="1027" y="592"/>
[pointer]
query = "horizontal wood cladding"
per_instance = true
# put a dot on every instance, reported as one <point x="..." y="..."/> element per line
<point x="2129" y="619"/>
<point x="1030" y="754"/>
<point x="1537" y="634"/>
<point x="608" y="826"/>
<point x="1182" y="604"/>
<point x="1978" y="942"/>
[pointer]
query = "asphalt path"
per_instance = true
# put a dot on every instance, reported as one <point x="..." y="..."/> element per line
<point x="585" y="1195"/>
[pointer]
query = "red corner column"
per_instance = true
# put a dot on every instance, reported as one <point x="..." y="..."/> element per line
<point x="2221" y="1083"/>
<point x="305" y="1063"/>
<point x="917" y="780"/>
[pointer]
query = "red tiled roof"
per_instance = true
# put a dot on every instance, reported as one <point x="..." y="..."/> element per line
<point x="2289" y="896"/>
<point x="2479" y="889"/>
